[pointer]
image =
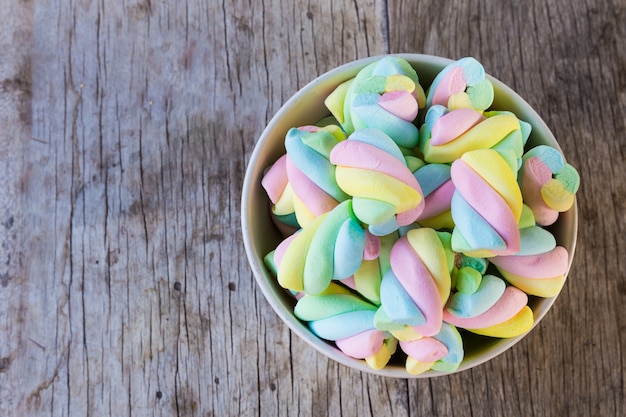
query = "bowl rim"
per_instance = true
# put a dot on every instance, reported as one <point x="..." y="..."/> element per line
<point x="263" y="278"/>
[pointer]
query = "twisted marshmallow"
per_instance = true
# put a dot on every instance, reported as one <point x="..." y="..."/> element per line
<point x="548" y="183"/>
<point x="310" y="173"/>
<point x="485" y="305"/>
<point x="461" y="84"/>
<point x="372" y="169"/>
<point x="384" y="95"/>
<point x="331" y="246"/>
<point x="276" y="184"/>
<point x="342" y="316"/>
<point x="442" y="352"/>
<point x="416" y="287"/>
<point x="540" y="266"/>
<point x="486" y="205"/>
<point x="446" y="135"/>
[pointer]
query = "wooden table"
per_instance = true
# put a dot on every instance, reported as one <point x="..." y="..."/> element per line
<point x="126" y="129"/>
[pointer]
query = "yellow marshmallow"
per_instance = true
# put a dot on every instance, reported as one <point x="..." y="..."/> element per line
<point x="381" y="358"/>
<point x="377" y="186"/>
<point x="284" y="205"/>
<point x="484" y="135"/>
<point x="459" y="101"/>
<point x="515" y="326"/>
<point x="399" y="82"/>
<point x="440" y="221"/>
<point x="415" y="367"/>
<point x="335" y="100"/>
<point x="429" y="248"/>
<point x="420" y="96"/>
<point x="303" y="214"/>
<point x="496" y="172"/>
<point x="335" y="131"/>
<point x="480" y="253"/>
<point x="368" y="272"/>
<point x="406" y="334"/>
<point x="556" y="196"/>
<point x="291" y="268"/>
<point x="541" y="287"/>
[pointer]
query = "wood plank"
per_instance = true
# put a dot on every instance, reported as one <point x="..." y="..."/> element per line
<point x="15" y="115"/>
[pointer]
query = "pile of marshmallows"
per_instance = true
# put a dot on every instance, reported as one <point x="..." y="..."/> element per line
<point x="400" y="235"/>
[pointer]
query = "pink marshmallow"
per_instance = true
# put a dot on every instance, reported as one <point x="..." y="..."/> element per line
<point x="511" y="302"/>
<point x="280" y="250"/>
<point x="438" y="201"/>
<point x="534" y="175"/>
<point x="419" y="284"/>
<point x="362" y="345"/>
<point x="349" y="282"/>
<point x="546" y="265"/>
<point x="372" y="246"/>
<point x="488" y="203"/>
<point x="399" y="103"/>
<point x="452" y="125"/>
<point x="452" y="83"/>
<point x="275" y="179"/>
<point x="407" y="217"/>
<point x="426" y="349"/>
<point x="313" y="197"/>
<point x="309" y="128"/>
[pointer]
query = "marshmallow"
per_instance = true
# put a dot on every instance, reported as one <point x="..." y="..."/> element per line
<point x="539" y="267"/>
<point x="486" y="205"/>
<point x="493" y="309"/>
<point x="339" y="315"/>
<point x="276" y="184"/>
<point x="331" y="246"/>
<point x="385" y="95"/>
<point x="540" y="274"/>
<point x="548" y="183"/>
<point x="461" y="84"/>
<point x="310" y="173"/>
<point x="463" y="130"/>
<point x="442" y="352"/>
<point x="438" y="188"/>
<point x="484" y="304"/>
<point x="416" y="287"/>
<point x="372" y="169"/>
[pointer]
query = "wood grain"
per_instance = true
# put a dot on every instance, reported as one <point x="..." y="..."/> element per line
<point x="126" y="129"/>
<point x="15" y="115"/>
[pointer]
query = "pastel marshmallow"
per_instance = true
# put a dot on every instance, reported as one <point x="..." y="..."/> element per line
<point x="385" y="95"/>
<point x="548" y="183"/>
<point x="372" y="169"/>
<point x="330" y="247"/>
<point x="342" y="316"/>
<point x="416" y="287"/>
<point x="486" y="205"/>
<point x="506" y="310"/>
<point x="442" y="352"/>
<point x="462" y="83"/>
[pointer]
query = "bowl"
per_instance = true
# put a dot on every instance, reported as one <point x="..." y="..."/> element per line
<point x="260" y="236"/>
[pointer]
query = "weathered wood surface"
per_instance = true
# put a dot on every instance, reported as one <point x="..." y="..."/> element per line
<point x="125" y="129"/>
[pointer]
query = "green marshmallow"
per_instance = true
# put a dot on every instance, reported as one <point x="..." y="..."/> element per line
<point x="318" y="307"/>
<point x="468" y="280"/>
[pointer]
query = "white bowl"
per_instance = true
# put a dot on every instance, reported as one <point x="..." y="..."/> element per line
<point x="260" y="236"/>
